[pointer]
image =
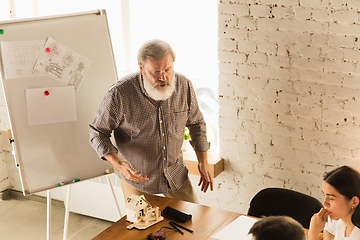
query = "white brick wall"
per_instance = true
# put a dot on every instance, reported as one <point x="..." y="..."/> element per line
<point x="9" y="175"/>
<point x="289" y="95"/>
<point x="4" y="175"/>
<point x="7" y="164"/>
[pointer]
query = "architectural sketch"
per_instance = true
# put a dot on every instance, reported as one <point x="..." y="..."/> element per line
<point x="20" y="57"/>
<point x="62" y="64"/>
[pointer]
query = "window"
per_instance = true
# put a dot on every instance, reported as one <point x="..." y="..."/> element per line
<point x="189" y="26"/>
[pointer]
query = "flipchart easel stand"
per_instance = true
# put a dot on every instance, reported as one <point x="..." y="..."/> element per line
<point x="67" y="205"/>
<point x="67" y="201"/>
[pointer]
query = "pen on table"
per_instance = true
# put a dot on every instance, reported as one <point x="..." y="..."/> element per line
<point x="72" y="181"/>
<point x="180" y="226"/>
<point x="172" y="224"/>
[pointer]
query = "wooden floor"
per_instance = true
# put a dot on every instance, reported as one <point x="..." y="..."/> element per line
<point x="24" y="219"/>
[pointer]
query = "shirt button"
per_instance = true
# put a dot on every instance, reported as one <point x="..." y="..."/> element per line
<point x="164" y="147"/>
<point x="164" y="159"/>
<point x="163" y="134"/>
<point x="160" y="121"/>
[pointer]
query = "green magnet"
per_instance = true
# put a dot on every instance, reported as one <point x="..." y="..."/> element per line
<point x="1" y="31"/>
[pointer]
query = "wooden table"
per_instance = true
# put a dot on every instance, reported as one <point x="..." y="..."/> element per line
<point x="205" y="222"/>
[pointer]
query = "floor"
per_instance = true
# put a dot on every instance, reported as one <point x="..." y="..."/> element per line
<point x="26" y="219"/>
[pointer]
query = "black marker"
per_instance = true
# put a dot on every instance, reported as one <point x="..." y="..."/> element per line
<point x="180" y="226"/>
<point x="172" y="224"/>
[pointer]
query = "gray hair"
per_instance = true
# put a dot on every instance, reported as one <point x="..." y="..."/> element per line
<point x="154" y="49"/>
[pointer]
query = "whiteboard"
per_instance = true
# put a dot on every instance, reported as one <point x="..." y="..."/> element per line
<point x="54" y="152"/>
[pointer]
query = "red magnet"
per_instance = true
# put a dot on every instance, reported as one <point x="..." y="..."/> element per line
<point x="48" y="50"/>
<point x="47" y="93"/>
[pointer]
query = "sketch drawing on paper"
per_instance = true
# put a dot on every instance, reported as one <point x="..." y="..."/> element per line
<point x="62" y="64"/>
<point x="55" y="69"/>
<point x="20" y="57"/>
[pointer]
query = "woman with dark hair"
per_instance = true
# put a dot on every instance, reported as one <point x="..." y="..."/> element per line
<point x="341" y="213"/>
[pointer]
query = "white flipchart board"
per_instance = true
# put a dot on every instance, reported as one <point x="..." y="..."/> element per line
<point x="55" y="152"/>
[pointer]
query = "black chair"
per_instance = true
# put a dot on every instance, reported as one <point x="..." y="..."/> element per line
<point x="284" y="202"/>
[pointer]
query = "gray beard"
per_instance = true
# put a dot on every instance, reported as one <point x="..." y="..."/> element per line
<point x="158" y="93"/>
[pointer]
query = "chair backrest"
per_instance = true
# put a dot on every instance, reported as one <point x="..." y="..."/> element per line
<point x="284" y="202"/>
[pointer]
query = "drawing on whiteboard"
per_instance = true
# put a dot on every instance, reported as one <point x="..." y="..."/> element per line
<point x="62" y="64"/>
<point x="20" y="57"/>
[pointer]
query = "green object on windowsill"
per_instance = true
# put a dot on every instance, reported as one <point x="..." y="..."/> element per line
<point x="186" y="134"/>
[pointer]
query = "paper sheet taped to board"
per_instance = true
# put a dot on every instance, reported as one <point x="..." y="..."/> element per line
<point x="51" y="105"/>
<point x="62" y="63"/>
<point x="19" y="58"/>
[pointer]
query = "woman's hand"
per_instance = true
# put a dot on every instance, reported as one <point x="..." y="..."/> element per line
<point x="317" y="223"/>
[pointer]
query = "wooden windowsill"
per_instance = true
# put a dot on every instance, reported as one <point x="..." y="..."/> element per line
<point x="216" y="163"/>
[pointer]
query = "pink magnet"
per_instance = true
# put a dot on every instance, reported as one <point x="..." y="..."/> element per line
<point x="46" y="93"/>
<point x="48" y="50"/>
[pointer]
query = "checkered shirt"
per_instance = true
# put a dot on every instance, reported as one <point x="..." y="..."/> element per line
<point x="149" y="134"/>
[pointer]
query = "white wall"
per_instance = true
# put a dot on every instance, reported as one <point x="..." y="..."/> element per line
<point x="289" y="95"/>
<point x="6" y="157"/>
<point x="5" y="146"/>
<point x="4" y="175"/>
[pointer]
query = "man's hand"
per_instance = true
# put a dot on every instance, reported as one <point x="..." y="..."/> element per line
<point x="130" y="173"/>
<point x="125" y="168"/>
<point x="205" y="176"/>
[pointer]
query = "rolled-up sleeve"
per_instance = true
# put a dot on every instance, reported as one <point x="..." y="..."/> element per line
<point x="196" y="124"/>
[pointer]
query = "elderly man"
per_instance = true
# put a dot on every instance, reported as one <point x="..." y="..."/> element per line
<point x="147" y="112"/>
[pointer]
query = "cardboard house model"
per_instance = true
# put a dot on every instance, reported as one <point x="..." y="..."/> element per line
<point x="140" y="212"/>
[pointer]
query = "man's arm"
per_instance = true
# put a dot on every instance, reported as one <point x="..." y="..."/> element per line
<point x="203" y="167"/>
<point x="197" y="128"/>
<point x="125" y="168"/>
